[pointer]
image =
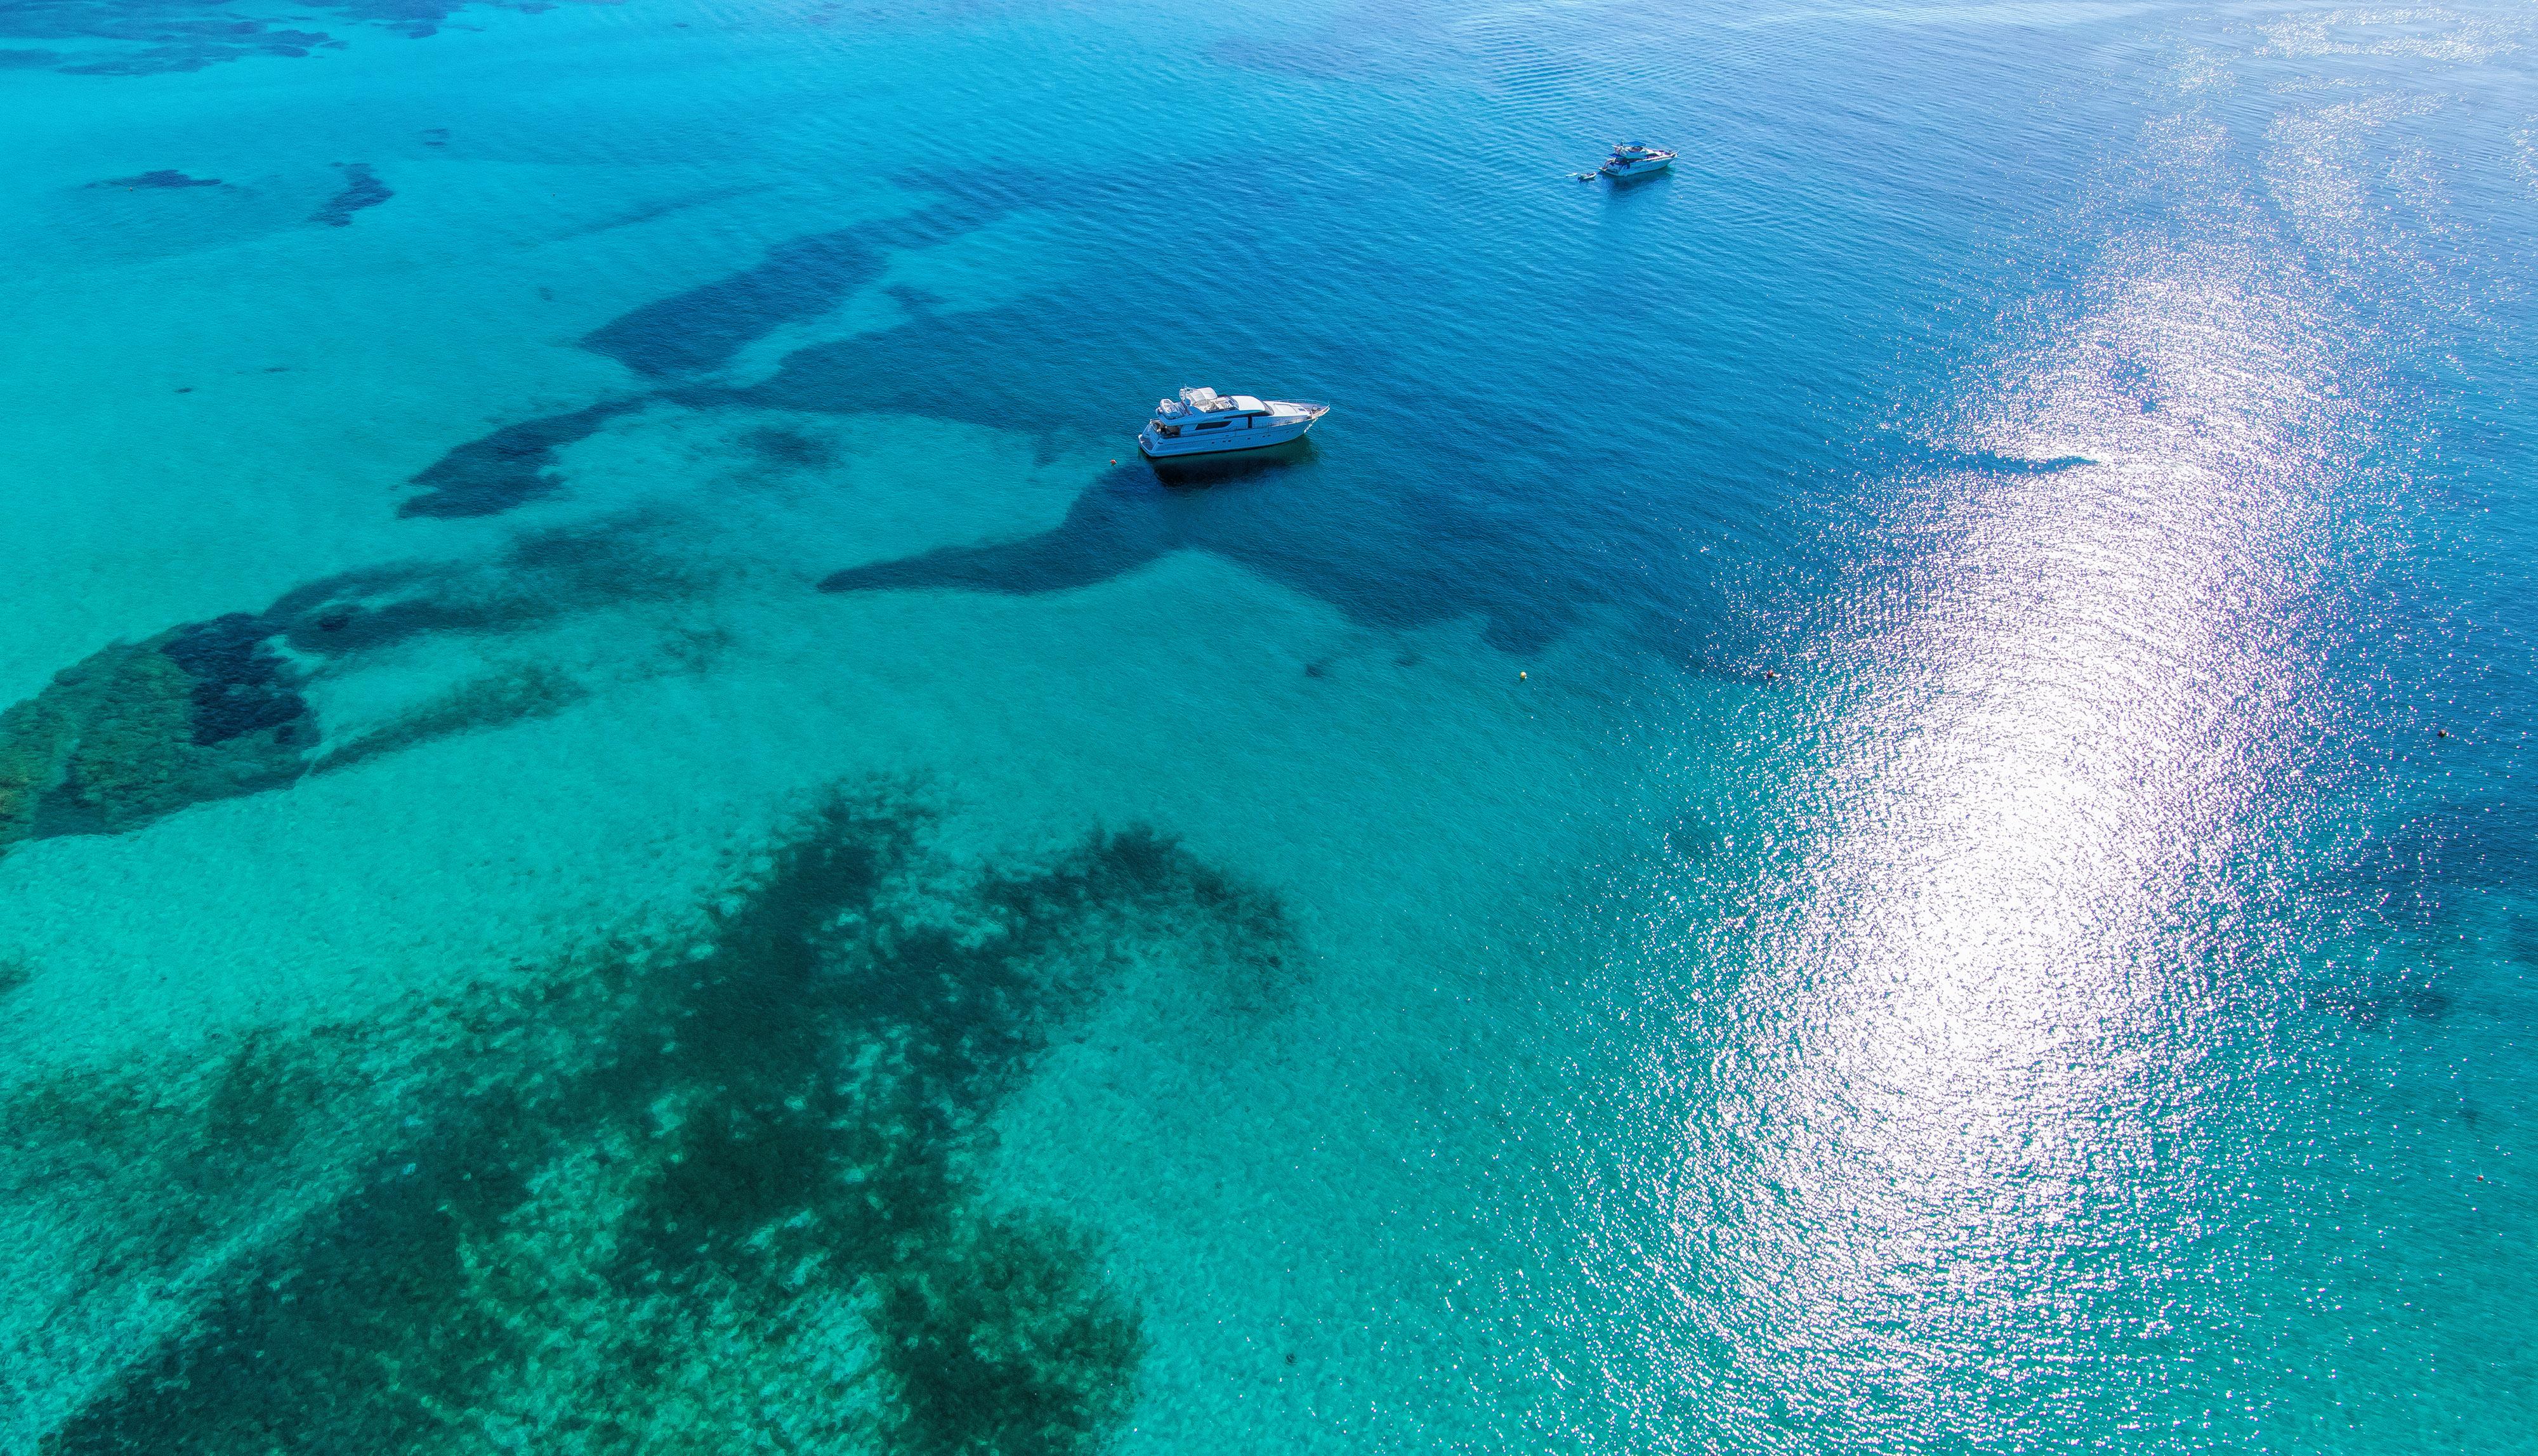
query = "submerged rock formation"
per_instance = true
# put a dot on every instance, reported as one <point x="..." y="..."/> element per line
<point x="141" y="730"/>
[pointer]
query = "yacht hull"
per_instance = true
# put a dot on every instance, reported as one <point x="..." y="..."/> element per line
<point x="1635" y="169"/>
<point x="1224" y="441"/>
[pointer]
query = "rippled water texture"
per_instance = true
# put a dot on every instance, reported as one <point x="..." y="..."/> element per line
<point x="1857" y="799"/>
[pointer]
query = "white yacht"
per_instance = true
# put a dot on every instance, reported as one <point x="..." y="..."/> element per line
<point x="1203" y="422"/>
<point x="1631" y="160"/>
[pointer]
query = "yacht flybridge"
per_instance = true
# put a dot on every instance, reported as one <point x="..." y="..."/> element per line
<point x="1203" y="422"/>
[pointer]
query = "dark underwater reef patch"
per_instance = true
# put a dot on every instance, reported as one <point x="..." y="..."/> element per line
<point x="361" y="188"/>
<point x="2434" y="912"/>
<point x="647" y="212"/>
<point x="704" y="327"/>
<point x="709" y="1194"/>
<point x="137" y="731"/>
<point x="163" y="178"/>
<point x="213" y="709"/>
<point x="542" y="576"/>
<point x="170" y="1154"/>
<point x="511" y="695"/>
<point x="781" y="448"/>
<point x="698" y="329"/>
<point x="512" y="466"/>
<point x="147" y="38"/>
<point x="2375" y="1002"/>
<point x="240" y="685"/>
<point x="144" y="38"/>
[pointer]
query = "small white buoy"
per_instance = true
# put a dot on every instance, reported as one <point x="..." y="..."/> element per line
<point x="1519" y="677"/>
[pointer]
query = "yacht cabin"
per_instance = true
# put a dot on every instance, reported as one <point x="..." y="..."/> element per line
<point x="1202" y="421"/>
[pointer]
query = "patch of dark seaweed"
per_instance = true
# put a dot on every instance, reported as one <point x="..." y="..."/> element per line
<point x="361" y="190"/>
<point x="652" y="211"/>
<point x="507" y="468"/>
<point x="2371" y="1007"/>
<point x="163" y="177"/>
<point x="291" y="1357"/>
<point x="144" y="38"/>
<point x="213" y="709"/>
<point x="136" y="732"/>
<point x="699" y="329"/>
<point x="704" y="327"/>
<point x="789" y="449"/>
<point x="189" y="1147"/>
<point x="14" y="974"/>
<point x="191" y="47"/>
<point x="1236" y="930"/>
<point x="493" y="700"/>
<point x="764" y="1132"/>
<point x="248" y="1104"/>
<point x="1045" y="1381"/>
<point x="240" y="684"/>
<point x="1696" y="838"/>
<point x="542" y="576"/>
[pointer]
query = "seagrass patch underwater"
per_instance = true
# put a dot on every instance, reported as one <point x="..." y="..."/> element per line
<point x="711" y="1192"/>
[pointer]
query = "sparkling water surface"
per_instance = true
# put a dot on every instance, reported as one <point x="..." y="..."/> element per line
<point x="1856" y="799"/>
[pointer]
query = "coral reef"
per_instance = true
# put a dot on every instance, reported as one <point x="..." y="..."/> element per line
<point x="138" y="731"/>
<point x="714" y="1193"/>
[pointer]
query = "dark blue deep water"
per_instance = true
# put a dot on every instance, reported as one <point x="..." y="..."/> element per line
<point x="1856" y="799"/>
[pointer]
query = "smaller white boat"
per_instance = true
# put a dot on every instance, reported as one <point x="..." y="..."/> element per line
<point x="1203" y="422"/>
<point x="1631" y="160"/>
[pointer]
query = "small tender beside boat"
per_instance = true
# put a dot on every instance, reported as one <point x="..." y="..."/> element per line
<point x="1631" y="160"/>
<point x="1203" y="422"/>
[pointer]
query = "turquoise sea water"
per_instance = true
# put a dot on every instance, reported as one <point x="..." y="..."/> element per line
<point x="1860" y="798"/>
